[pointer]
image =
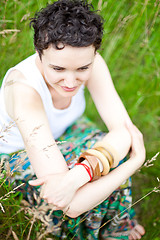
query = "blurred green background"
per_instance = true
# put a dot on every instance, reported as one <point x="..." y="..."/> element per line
<point x="131" y="50"/>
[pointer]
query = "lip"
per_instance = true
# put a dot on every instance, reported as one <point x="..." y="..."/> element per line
<point x="68" y="89"/>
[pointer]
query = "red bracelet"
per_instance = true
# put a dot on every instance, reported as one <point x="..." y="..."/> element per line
<point x="87" y="169"/>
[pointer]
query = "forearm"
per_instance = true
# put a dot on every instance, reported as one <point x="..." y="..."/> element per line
<point x="42" y="150"/>
<point x="120" y="140"/>
<point x="46" y="161"/>
<point x="92" y="194"/>
<point x="51" y="161"/>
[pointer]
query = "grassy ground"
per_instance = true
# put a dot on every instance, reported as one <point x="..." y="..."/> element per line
<point x="130" y="48"/>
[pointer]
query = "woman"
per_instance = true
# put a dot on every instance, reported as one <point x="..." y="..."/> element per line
<point x="43" y="98"/>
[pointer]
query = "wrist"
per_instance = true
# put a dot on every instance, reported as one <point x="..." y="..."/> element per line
<point x="79" y="175"/>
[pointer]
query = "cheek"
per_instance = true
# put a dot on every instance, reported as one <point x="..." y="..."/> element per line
<point x="51" y="76"/>
<point x="85" y="76"/>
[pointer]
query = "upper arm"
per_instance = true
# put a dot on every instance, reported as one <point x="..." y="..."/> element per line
<point x="105" y="96"/>
<point x="25" y="107"/>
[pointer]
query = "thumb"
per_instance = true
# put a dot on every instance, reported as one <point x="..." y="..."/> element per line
<point x="129" y="125"/>
<point x="37" y="182"/>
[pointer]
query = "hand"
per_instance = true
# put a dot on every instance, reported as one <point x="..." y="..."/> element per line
<point x="57" y="189"/>
<point x="137" y="148"/>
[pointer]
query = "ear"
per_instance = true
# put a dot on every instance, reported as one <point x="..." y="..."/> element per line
<point x="39" y="54"/>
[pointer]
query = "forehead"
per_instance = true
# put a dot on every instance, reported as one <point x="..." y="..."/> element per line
<point x="69" y="55"/>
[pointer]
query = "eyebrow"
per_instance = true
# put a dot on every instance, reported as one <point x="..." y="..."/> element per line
<point x="55" y="66"/>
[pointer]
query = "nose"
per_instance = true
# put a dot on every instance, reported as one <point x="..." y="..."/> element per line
<point x="70" y="80"/>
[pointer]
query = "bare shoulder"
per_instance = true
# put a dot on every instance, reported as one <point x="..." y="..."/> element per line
<point x="18" y="94"/>
<point x="16" y="85"/>
<point x="98" y="61"/>
<point x="14" y="76"/>
<point x="100" y="74"/>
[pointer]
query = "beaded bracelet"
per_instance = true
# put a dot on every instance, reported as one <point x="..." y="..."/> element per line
<point x="87" y="169"/>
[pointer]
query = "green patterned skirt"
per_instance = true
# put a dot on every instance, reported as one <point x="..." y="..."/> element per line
<point x="112" y="218"/>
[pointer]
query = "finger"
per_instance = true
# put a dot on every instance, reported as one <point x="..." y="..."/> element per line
<point x="37" y="182"/>
<point x="42" y="191"/>
<point x="133" y="130"/>
<point x="50" y="202"/>
<point x="136" y="138"/>
<point x="66" y="209"/>
<point x="52" y="206"/>
<point x="140" y="229"/>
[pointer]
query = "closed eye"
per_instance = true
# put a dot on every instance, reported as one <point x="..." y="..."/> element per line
<point x="83" y="68"/>
<point x="58" y="69"/>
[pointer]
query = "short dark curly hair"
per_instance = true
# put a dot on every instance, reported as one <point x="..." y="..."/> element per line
<point x="70" y="22"/>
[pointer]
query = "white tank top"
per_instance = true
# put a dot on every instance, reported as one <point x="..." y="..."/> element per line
<point x="59" y="120"/>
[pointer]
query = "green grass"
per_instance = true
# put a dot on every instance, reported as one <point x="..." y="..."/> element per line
<point x="131" y="50"/>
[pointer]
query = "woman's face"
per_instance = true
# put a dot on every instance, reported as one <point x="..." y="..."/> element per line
<point x="67" y="69"/>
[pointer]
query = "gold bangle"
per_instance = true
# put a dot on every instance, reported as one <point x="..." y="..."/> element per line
<point x="93" y="162"/>
<point x="102" y="158"/>
<point x="106" y="154"/>
<point x="110" y="150"/>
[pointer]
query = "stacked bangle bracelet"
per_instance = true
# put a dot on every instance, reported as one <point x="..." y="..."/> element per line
<point x="110" y="151"/>
<point x="93" y="162"/>
<point x="102" y="152"/>
<point x="102" y="158"/>
<point x="106" y="154"/>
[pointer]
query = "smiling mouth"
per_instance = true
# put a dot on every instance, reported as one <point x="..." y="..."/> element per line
<point x="68" y="89"/>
